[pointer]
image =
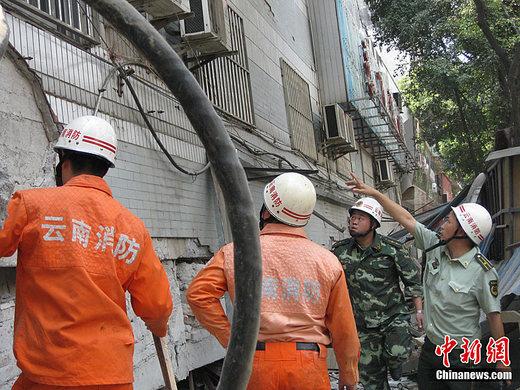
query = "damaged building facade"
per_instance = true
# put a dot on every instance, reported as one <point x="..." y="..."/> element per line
<point x="299" y="85"/>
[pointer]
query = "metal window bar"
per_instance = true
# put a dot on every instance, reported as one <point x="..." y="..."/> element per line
<point x="226" y="80"/>
<point x="299" y="111"/>
<point x="70" y="12"/>
<point x="74" y="75"/>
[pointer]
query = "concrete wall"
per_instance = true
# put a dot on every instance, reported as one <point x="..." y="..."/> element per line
<point x="27" y="161"/>
<point x="27" y="158"/>
<point x="276" y="30"/>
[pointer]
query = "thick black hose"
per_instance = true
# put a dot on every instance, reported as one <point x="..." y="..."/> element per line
<point x="230" y="175"/>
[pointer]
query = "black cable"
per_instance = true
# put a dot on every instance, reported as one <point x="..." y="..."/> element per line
<point x="259" y="153"/>
<point x="125" y="76"/>
<point x="230" y="177"/>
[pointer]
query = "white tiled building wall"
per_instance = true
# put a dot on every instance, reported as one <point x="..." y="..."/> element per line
<point x="180" y="212"/>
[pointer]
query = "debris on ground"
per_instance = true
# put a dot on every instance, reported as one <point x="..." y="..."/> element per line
<point x="405" y="383"/>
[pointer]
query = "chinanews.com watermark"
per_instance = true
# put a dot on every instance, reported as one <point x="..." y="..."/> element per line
<point x="474" y="376"/>
<point x="497" y="352"/>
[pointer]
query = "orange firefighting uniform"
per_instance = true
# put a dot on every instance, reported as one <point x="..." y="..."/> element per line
<point x="79" y="251"/>
<point x="304" y="299"/>
<point x="23" y="383"/>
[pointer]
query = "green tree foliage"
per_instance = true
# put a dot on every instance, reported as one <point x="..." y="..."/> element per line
<point x="463" y="75"/>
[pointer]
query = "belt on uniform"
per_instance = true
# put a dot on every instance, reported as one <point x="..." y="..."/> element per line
<point x="300" y="346"/>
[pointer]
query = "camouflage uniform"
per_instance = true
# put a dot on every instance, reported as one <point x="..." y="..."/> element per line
<point x="381" y="315"/>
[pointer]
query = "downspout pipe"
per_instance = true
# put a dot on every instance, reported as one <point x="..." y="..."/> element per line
<point x="229" y="173"/>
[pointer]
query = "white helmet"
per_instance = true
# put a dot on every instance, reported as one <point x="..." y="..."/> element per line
<point x="4" y="33"/>
<point x="474" y="220"/>
<point x="290" y="198"/>
<point x="89" y="135"/>
<point x="369" y="206"/>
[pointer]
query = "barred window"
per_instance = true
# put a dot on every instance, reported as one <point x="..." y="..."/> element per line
<point x="299" y="111"/>
<point x="226" y="80"/>
<point x="71" y="18"/>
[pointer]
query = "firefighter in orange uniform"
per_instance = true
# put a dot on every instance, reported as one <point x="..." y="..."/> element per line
<point x="79" y="251"/>
<point x="305" y="302"/>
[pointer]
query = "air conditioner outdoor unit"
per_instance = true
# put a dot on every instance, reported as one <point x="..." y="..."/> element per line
<point x="160" y="9"/>
<point x="339" y="127"/>
<point x="384" y="172"/>
<point x="434" y="187"/>
<point x="208" y="30"/>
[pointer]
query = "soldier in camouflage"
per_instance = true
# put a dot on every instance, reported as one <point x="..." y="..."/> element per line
<point x="459" y="284"/>
<point x="374" y="265"/>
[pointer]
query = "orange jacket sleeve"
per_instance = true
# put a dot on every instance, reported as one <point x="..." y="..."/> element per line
<point x="14" y="224"/>
<point x="204" y="295"/>
<point x="342" y="326"/>
<point x="150" y="291"/>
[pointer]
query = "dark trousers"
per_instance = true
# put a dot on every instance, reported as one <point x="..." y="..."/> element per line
<point x="387" y="346"/>
<point x="429" y="363"/>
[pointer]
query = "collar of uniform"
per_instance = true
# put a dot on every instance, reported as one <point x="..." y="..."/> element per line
<point x="466" y="258"/>
<point x="280" y="228"/>
<point x="89" y="181"/>
<point x="376" y="244"/>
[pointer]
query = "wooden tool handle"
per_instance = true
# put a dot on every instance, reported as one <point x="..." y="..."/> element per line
<point x="161" y="346"/>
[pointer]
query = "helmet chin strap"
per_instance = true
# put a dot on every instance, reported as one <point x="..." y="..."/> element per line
<point x="58" y="174"/>
<point x="445" y="242"/>
<point x="261" y="221"/>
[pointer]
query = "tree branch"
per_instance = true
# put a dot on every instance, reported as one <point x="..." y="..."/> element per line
<point x="514" y="78"/>
<point x="502" y="80"/>
<point x="493" y="42"/>
<point x="515" y="65"/>
<point x="459" y="97"/>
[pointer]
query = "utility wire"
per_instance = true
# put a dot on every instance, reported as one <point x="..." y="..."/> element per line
<point x="119" y="67"/>
<point x="125" y="76"/>
<point x="260" y="153"/>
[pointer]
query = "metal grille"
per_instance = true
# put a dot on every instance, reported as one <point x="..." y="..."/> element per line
<point x="196" y="23"/>
<point x="493" y="198"/>
<point x="299" y="111"/>
<point x="71" y="77"/>
<point x="226" y="80"/>
<point x="69" y="17"/>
